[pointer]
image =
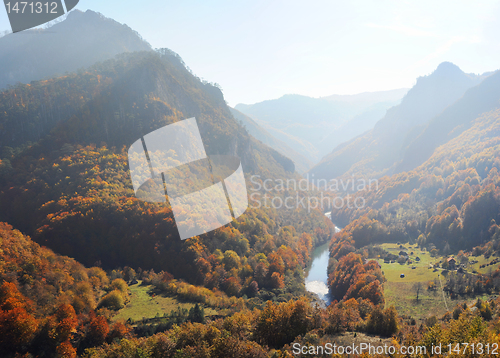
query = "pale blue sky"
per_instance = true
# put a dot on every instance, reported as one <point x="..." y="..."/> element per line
<point x="262" y="49"/>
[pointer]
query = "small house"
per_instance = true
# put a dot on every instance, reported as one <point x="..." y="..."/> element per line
<point x="403" y="253"/>
<point x="417" y="258"/>
<point x="451" y="263"/>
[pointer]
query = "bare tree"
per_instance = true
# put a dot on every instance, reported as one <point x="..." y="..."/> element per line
<point x="417" y="287"/>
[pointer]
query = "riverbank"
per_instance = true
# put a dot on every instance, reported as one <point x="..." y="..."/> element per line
<point x="316" y="275"/>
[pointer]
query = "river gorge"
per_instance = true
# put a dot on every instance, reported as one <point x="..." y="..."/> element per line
<point x="316" y="274"/>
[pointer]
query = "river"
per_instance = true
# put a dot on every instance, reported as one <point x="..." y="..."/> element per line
<point x="316" y="274"/>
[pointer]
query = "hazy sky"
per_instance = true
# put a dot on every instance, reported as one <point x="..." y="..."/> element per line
<point x="262" y="49"/>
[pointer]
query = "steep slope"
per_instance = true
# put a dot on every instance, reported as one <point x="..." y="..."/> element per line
<point x="309" y="125"/>
<point x="302" y="164"/>
<point x="47" y="301"/>
<point x="299" y="121"/>
<point x="376" y="153"/>
<point x="71" y="191"/>
<point x="37" y="271"/>
<point x="452" y="122"/>
<point x="81" y="40"/>
<point x="451" y="202"/>
<point x="358" y="124"/>
<point x="118" y="101"/>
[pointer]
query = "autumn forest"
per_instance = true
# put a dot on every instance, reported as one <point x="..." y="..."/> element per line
<point x="87" y="269"/>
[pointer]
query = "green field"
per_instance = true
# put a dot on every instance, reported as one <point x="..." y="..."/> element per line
<point x="482" y="261"/>
<point x="400" y="292"/>
<point x="143" y="304"/>
<point x="422" y="272"/>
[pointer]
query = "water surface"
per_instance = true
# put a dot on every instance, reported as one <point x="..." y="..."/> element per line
<point x="316" y="274"/>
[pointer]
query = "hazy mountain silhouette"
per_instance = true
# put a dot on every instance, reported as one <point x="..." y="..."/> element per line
<point x="120" y="100"/>
<point x="313" y="126"/>
<point x="81" y="40"/>
<point x="452" y="121"/>
<point x="376" y="152"/>
<point x="302" y="164"/>
<point x="369" y="98"/>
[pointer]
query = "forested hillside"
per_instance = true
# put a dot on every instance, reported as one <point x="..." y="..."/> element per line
<point x="451" y="202"/>
<point x="47" y="301"/>
<point x="71" y="190"/>
<point x="89" y="270"/>
<point x="377" y="152"/>
<point x="452" y="121"/>
<point x="65" y="181"/>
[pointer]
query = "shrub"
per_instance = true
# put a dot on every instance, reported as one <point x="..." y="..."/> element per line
<point x="113" y="300"/>
<point x="120" y="285"/>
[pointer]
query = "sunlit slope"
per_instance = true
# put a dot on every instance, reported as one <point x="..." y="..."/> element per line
<point x="378" y="151"/>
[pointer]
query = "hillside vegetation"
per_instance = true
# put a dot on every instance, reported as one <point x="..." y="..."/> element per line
<point x="71" y="191"/>
<point x="377" y="152"/>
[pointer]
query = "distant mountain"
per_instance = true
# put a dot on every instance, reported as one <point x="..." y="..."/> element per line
<point x="369" y="98"/>
<point x="452" y="122"/>
<point x="313" y="126"/>
<point x="302" y="164"/>
<point x="81" y="40"/>
<point x="357" y="125"/>
<point x="120" y="100"/>
<point x="377" y="152"/>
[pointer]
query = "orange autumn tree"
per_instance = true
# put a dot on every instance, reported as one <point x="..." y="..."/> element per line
<point x="351" y="278"/>
<point x="98" y="329"/>
<point x="66" y="322"/>
<point x="17" y="325"/>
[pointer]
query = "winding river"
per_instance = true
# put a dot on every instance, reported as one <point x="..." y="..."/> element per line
<point x="316" y="274"/>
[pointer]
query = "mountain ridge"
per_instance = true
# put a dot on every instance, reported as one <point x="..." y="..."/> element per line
<point x="452" y="122"/>
<point x="377" y="152"/>
<point x="302" y="164"/>
<point x="79" y="41"/>
<point x="313" y="126"/>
